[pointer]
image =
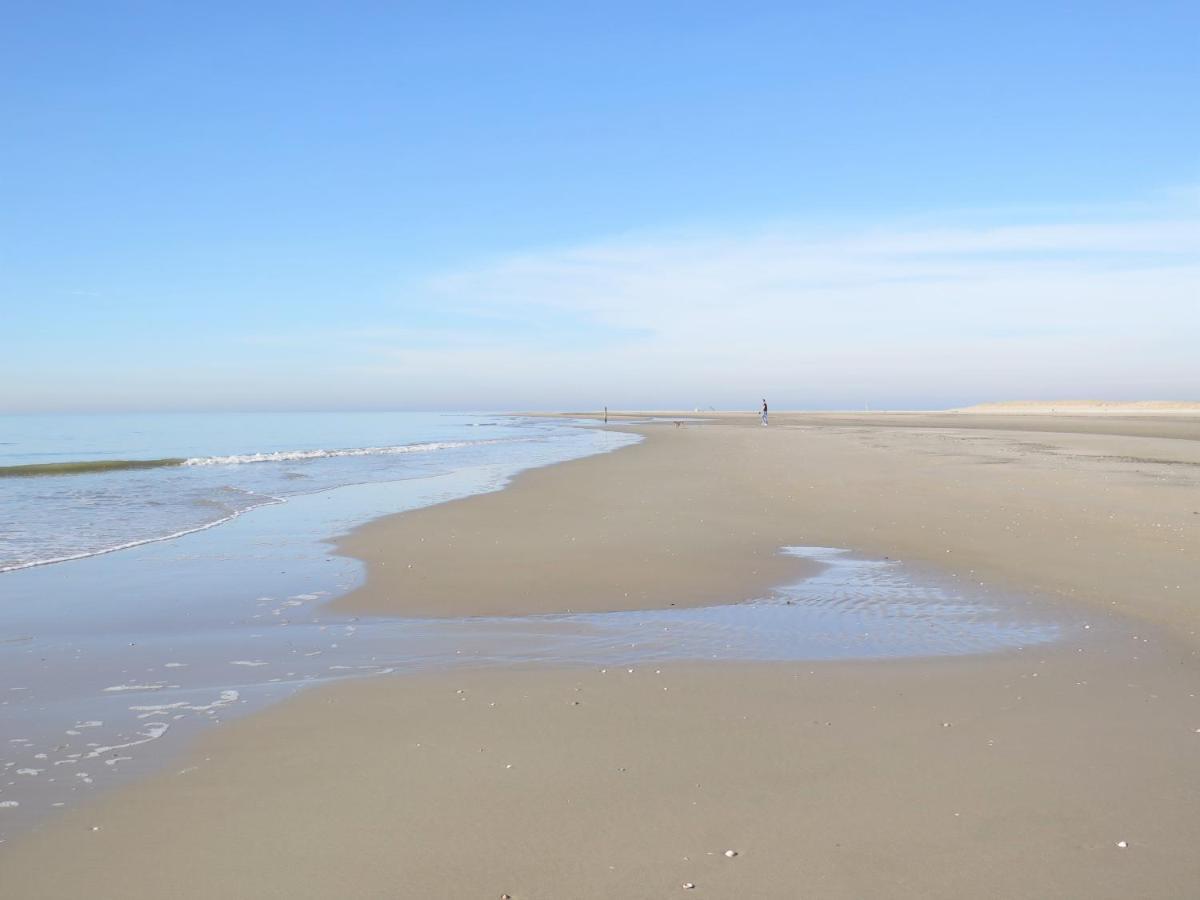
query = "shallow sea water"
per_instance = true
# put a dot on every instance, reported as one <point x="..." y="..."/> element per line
<point x="168" y="475"/>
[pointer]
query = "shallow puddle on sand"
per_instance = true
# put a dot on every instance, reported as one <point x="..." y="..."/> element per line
<point x="96" y="710"/>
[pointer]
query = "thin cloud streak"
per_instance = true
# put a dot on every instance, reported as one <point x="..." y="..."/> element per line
<point x="1038" y="310"/>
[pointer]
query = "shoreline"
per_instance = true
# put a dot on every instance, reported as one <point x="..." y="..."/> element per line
<point x="992" y="775"/>
<point x="147" y="646"/>
<point x="577" y="548"/>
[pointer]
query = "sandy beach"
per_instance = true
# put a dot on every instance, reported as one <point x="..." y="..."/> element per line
<point x="697" y="515"/>
<point x="1069" y="771"/>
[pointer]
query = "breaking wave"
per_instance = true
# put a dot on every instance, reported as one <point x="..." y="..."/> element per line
<point x="93" y="466"/>
<point x="294" y="455"/>
<point x="86" y="467"/>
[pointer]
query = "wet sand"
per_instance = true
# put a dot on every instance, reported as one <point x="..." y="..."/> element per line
<point x="1008" y="775"/>
<point x="697" y="515"/>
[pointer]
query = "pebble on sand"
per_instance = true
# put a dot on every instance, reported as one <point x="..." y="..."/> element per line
<point x="731" y="853"/>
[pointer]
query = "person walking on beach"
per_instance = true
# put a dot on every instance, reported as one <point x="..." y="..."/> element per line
<point x="764" y="411"/>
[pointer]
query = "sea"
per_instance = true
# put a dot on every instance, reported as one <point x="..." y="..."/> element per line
<point x="160" y="574"/>
<point x="77" y="485"/>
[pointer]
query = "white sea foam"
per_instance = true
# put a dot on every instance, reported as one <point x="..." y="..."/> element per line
<point x="225" y="698"/>
<point x="152" y="732"/>
<point x="296" y="455"/>
<point x="116" y="688"/>
<point x="160" y="709"/>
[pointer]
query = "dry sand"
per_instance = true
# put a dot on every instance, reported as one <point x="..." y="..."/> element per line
<point x="1004" y="776"/>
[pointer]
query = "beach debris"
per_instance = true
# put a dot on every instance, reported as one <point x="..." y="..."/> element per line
<point x="730" y="854"/>
<point x="1123" y="844"/>
<point x="687" y="885"/>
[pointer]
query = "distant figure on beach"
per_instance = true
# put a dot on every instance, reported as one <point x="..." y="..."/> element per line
<point x="764" y="411"/>
<point x="606" y="415"/>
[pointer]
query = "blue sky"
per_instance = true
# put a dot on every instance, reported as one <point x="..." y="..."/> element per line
<point x="541" y="205"/>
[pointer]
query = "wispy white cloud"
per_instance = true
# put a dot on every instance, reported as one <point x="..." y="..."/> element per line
<point x="1103" y="309"/>
<point x="901" y="315"/>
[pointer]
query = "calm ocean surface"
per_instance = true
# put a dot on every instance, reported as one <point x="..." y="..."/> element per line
<point x="209" y="468"/>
